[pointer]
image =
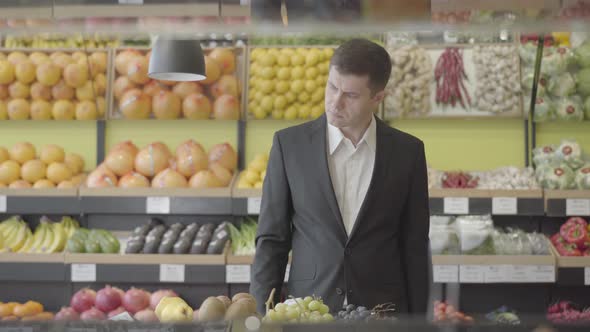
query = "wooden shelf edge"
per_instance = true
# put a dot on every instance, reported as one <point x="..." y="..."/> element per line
<point x="31" y="258"/>
<point x="493" y="260"/>
<point x="565" y="194"/>
<point x="240" y="260"/>
<point x="152" y="192"/>
<point x="245" y="193"/>
<point x="30" y="192"/>
<point x="570" y="261"/>
<point x="145" y="259"/>
<point x="485" y="193"/>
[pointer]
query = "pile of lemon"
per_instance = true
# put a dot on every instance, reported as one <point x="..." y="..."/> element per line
<point x="288" y="83"/>
<point x="253" y="175"/>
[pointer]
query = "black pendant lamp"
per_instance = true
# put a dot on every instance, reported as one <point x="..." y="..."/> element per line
<point x="177" y="60"/>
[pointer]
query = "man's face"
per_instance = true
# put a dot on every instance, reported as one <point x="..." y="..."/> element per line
<point x="349" y="100"/>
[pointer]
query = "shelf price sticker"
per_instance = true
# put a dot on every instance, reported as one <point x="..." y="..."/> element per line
<point x="472" y="274"/>
<point x="254" y="205"/>
<point x="83" y="272"/>
<point x="3" y="204"/>
<point x="504" y="206"/>
<point x="237" y="274"/>
<point x="445" y="273"/>
<point x="157" y="205"/>
<point x="16" y="329"/>
<point x="587" y="276"/>
<point x="131" y="2"/>
<point x="80" y="329"/>
<point x="577" y="207"/>
<point x="497" y="273"/>
<point x="172" y="272"/>
<point x="456" y="205"/>
<point x="541" y="273"/>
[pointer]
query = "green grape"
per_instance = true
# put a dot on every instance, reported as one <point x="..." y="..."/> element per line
<point x="324" y="309"/>
<point x="307" y="300"/>
<point x="314" y="305"/>
<point x="272" y="315"/>
<point x="315" y="318"/>
<point x="281" y="307"/>
<point x="327" y="317"/>
<point x="292" y="313"/>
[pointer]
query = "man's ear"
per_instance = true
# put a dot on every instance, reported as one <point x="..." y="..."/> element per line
<point x="379" y="96"/>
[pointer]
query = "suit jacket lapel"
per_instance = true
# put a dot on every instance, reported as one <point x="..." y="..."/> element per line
<point x="318" y="150"/>
<point x="380" y="169"/>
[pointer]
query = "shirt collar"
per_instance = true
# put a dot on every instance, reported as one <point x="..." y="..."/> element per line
<point x="335" y="136"/>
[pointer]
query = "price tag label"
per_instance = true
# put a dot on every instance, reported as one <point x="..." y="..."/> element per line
<point x="80" y="329"/>
<point x="456" y="205"/>
<point x="254" y="205"/>
<point x="577" y="207"/>
<point x="472" y="274"/>
<point x="587" y="276"/>
<point x="237" y="274"/>
<point x="131" y="2"/>
<point x="497" y="273"/>
<point x="287" y="272"/>
<point x="158" y="205"/>
<point x="519" y="274"/>
<point x="445" y="273"/>
<point x="3" y="204"/>
<point x="83" y="272"/>
<point x="16" y="329"/>
<point x="504" y="206"/>
<point x="171" y="272"/>
<point x="541" y="273"/>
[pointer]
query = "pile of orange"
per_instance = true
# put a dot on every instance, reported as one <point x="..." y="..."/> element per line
<point x="29" y="311"/>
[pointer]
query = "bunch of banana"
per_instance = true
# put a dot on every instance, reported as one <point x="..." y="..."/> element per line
<point x="44" y="41"/>
<point x="15" y="233"/>
<point x="70" y="225"/>
<point x="49" y="237"/>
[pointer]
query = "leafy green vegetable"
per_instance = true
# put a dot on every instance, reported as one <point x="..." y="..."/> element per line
<point x="562" y="85"/>
<point x="243" y="239"/>
<point x="582" y="54"/>
<point x="583" y="81"/>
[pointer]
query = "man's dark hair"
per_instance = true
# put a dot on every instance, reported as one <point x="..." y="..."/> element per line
<point x="363" y="57"/>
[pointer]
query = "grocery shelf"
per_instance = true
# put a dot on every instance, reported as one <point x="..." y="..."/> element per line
<point x="561" y="203"/>
<point x="240" y="260"/>
<point x="32" y="9"/>
<point x="211" y="201"/>
<point x="31" y="267"/>
<point x="143" y="259"/>
<point x="40" y="201"/>
<point x="118" y="8"/>
<point x="246" y="201"/>
<point x="493" y="259"/>
<point x="482" y="201"/>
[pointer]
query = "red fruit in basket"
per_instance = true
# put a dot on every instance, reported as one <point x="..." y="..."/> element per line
<point x="158" y="295"/>
<point x="83" y="300"/>
<point x="135" y="300"/>
<point x="116" y="312"/>
<point x="108" y="299"/>
<point x="93" y="314"/>
<point x="67" y="314"/>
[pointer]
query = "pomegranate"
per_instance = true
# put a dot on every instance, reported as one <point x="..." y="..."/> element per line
<point x="83" y="300"/>
<point x="23" y="152"/>
<point x="169" y="178"/>
<point x="225" y="58"/>
<point x="204" y="179"/>
<point x="151" y="160"/>
<point x="108" y="299"/>
<point x="136" y="300"/>
<point x="226" y="107"/>
<point x="183" y="89"/>
<point x="67" y="314"/>
<point x="190" y="158"/>
<point x="18" y="109"/>
<point x="93" y="314"/>
<point x="115" y="312"/>
<point x="196" y="106"/>
<point x="122" y="85"/>
<point x="19" y="90"/>
<point x="75" y="162"/>
<point x="120" y="161"/>
<point x="135" y="105"/>
<point x="62" y="91"/>
<point x="134" y="180"/>
<point x="137" y="70"/>
<point x="166" y="105"/>
<point x="222" y="173"/>
<point x="212" y="71"/>
<point x="146" y="316"/>
<point x="226" y="85"/>
<point x="40" y="110"/>
<point x="40" y="91"/>
<point x="225" y="155"/>
<point x="158" y="295"/>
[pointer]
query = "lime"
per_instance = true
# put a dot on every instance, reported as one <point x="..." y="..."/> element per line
<point x="317" y="96"/>
<point x="311" y="73"/>
<point x="283" y="60"/>
<point x="282" y="87"/>
<point x="284" y="73"/>
<point x="304" y="112"/>
<point x="310" y="86"/>
<point x="266" y="103"/>
<point x="297" y="86"/>
<point x="303" y="97"/>
<point x="297" y="60"/>
<point x="290" y="96"/>
<point x="267" y="72"/>
<point x="291" y="113"/>
<point x="297" y="72"/>
<point x="266" y="86"/>
<point x="267" y="60"/>
<point x="280" y="103"/>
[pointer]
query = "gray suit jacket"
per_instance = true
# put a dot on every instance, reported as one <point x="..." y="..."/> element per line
<point x="385" y="258"/>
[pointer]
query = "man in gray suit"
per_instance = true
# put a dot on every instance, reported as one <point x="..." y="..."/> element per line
<point x="349" y="196"/>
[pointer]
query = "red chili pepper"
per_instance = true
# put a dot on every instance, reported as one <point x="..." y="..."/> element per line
<point x="577" y="235"/>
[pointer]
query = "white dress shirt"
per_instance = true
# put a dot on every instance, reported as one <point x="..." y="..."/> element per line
<point x="351" y="170"/>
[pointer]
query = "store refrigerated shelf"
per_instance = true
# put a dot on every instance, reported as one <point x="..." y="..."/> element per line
<point x="39" y="201"/>
<point x="32" y="267"/>
<point x="482" y="201"/>
<point x="561" y="203"/>
<point x="210" y="201"/>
